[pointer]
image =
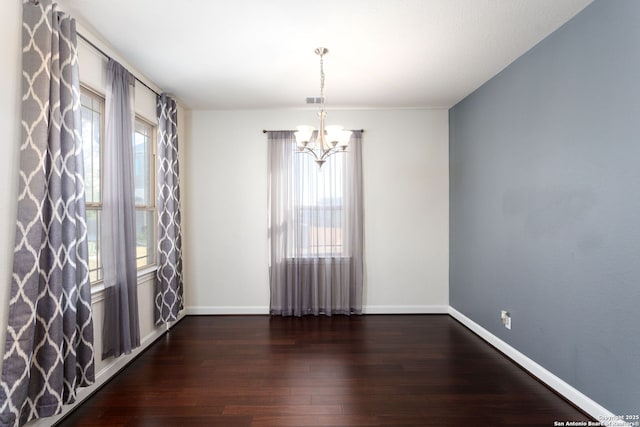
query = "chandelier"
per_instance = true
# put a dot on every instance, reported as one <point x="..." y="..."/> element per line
<point x="327" y="140"/>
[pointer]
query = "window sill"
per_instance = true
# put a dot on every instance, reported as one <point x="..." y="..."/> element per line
<point x="335" y="260"/>
<point x="144" y="274"/>
<point x="312" y="258"/>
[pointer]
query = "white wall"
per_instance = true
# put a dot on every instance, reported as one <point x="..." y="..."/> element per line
<point x="406" y="197"/>
<point x="93" y="74"/>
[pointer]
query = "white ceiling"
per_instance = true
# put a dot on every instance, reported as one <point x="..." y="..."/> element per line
<point x="241" y="54"/>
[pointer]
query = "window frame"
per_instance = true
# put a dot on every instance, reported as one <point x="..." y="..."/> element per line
<point x="97" y="206"/>
<point x="153" y="197"/>
<point x="315" y="247"/>
<point x="151" y="207"/>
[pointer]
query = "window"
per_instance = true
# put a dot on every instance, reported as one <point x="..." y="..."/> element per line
<point x="320" y="211"/>
<point x="92" y="108"/>
<point x="144" y="164"/>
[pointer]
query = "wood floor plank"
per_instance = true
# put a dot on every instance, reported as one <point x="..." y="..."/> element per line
<point x="371" y="370"/>
<point x="282" y="410"/>
<point x="315" y="421"/>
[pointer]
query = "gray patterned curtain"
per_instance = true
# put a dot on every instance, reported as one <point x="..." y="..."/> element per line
<point x="48" y="351"/>
<point x="121" y="328"/>
<point x="169" y="300"/>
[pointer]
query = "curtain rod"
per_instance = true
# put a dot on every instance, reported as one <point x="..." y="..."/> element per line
<point x="289" y="130"/>
<point x="103" y="53"/>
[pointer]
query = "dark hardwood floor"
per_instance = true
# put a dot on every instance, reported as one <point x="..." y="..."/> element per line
<point x="371" y="370"/>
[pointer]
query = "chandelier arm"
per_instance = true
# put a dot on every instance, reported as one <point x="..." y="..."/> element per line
<point x="312" y="152"/>
<point x="330" y="152"/>
<point x="335" y="151"/>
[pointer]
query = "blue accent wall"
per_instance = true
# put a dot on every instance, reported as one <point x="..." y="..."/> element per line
<point x="545" y="204"/>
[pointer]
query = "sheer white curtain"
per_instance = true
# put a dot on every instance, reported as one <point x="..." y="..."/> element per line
<point x="315" y="229"/>
<point x="121" y="330"/>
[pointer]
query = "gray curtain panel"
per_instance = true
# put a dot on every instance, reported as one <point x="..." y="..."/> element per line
<point x="168" y="300"/>
<point x="315" y="229"/>
<point x="48" y="350"/>
<point x="121" y="330"/>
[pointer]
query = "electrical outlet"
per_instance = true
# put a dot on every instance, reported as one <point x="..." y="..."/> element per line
<point x="506" y="319"/>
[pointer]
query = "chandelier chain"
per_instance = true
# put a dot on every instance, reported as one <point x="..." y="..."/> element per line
<point x="322" y="80"/>
<point x="327" y="140"/>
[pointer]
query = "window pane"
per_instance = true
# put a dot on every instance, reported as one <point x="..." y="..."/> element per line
<point x="93" y="234"/>
<point x="319" y="206"/>
<point x="144" y="195"/>
<point x="142" y="160"/>
<point x="145" y="237"/>
<point x="91" y="138"/>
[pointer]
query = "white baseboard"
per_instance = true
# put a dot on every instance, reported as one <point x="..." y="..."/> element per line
<point x="405" y="309"/>
<point x="198" y="310"/>
<point x="369" y="309"/>
<point x="106" y="374"/>
<point x="574" y="396"/>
